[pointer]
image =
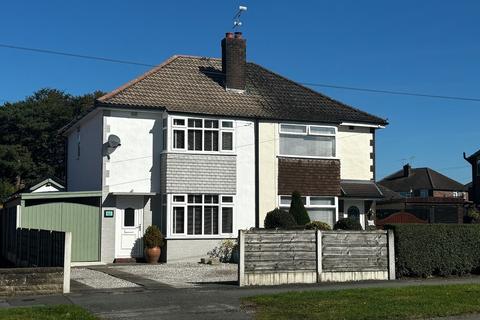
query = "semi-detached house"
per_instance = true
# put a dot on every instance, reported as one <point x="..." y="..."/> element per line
<point x="203" y="147"/>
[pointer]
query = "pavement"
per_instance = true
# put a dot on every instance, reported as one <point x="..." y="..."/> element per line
<point x="209" y="301"/>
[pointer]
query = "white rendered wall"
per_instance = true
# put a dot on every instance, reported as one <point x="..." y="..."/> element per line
<point x="268" y="168"/>
<point x="84" y="173"/>
<point x="353" y="150"/>
<point x="245" y="199"/>
<point x="134" y="166"/>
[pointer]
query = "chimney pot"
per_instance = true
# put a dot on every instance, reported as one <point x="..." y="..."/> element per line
<point x="238" y="35"/>
<point x="229" y="35"/>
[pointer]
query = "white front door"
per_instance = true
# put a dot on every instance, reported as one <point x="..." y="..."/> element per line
<point x="355" y="209"/>
<point x="129" y="227"/>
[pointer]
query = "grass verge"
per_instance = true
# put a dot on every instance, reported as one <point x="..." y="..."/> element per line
<point x="70" y="312"/>
<point x="412" y="302"/>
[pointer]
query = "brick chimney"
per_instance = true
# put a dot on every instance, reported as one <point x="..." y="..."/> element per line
<point x="234" y="61"/>
<point x="407" y="170"/>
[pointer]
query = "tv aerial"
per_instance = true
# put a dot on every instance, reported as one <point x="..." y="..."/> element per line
<point x="236" y="19"/>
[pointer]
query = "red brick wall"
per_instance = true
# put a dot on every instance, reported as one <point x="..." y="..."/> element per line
<point x="309" y="176"/>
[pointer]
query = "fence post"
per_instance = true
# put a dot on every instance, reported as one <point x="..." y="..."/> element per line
<point x="391" y="255"/>
<point x="241" y="260"/>
<point x="67" y="259"/>
<point x="319" y="255"/>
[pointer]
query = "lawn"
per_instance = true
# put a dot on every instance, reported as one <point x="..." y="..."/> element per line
<point x="69" y="312"/>
<point x="413" y="302"/>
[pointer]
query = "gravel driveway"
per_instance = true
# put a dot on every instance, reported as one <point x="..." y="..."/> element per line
<point x="183" y="275"/>
<point x="99" y="280"/>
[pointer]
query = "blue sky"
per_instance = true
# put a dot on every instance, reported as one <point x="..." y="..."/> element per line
<point x="419" y="46"/>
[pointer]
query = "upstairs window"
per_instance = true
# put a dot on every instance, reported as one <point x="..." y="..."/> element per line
<point x="307" y="141"/>
<point x="203" y="135"/>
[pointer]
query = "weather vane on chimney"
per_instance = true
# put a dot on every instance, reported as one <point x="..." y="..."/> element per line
<point x="236" y="19"/>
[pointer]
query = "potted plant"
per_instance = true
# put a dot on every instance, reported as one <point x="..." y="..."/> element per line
<point x="153" y="241"/>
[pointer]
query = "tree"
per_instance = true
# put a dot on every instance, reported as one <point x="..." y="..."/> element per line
<point x="30" y="146"/>
<point x="297" y="209"/>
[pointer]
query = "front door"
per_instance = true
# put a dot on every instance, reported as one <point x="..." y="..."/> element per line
<point x="129" y="225"/>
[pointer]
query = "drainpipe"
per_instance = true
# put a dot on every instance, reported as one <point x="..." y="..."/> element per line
<point x="257" y="179"/>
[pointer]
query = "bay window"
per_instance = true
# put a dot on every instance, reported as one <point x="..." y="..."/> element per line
<point x="319" y="208"/>
<point x="208" y="135"/>
<point x="197" y="214"/>
<point x="307" y="140"/>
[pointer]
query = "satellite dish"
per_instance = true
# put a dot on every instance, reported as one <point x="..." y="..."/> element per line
<point x="113" y="141"/>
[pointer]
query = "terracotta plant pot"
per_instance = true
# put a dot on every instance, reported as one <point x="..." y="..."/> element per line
<point x="152" y="254"/>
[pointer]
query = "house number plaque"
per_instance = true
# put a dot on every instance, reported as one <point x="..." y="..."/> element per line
<point x="108" y="213"/>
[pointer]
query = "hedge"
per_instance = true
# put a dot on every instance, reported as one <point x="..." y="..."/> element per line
<point x="423" y="250"/>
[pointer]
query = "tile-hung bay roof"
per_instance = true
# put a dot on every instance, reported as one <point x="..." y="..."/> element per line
<point x="196" y="85"/>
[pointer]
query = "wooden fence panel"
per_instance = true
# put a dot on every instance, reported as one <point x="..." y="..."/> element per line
<point x="279" y="256"/>
<point x="34" y="248"/>
<point x="354" y="251"/>
<point x="270" y="257"/>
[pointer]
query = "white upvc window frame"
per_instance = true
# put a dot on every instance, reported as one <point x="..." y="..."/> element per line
<point x="308" y="132"/>
<point x="165" y="133"/>
<point x="308" y="205"/>
<point x="176" y="127"/>
<point x="184" y="204"/>
<point x="226" y="130"/>
<point x="185" y="128"/>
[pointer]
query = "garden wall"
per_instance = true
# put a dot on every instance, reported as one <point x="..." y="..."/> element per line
<point x="31" y="281"/>
<point x="272" y="257"/>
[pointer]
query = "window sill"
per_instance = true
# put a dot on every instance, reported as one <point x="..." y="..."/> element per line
<point x="209" y="153"/>
<point x="307" y="157"/>
<point x="200" y="237"/>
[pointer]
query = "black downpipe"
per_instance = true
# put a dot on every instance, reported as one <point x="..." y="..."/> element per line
<point x="257" y="171"/>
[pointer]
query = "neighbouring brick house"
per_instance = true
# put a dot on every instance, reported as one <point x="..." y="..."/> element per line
<point x="425" y="193"/>
<point x="204" y="147"/>
<point x="423" y="183"/>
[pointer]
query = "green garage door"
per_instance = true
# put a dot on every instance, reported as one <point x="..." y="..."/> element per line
<point x="81" y="219"/>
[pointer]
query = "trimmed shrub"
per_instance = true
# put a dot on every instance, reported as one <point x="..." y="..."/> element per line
<point x="347" y="224"/>
<point x="279" y="218"/>
<point x="472" y="216"/>
<point x="318" y="225"/>
<point x="424" y="250"/>
<point x="153" y="237"/>
<point x="297" y="209"/>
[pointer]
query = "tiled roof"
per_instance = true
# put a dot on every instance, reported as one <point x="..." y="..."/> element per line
<point x="195" y="85"/>
<point x="360" y="189"/>
<point x="421" y="178"/>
